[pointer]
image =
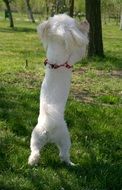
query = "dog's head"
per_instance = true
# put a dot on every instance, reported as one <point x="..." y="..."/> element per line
<point x="64" y="29"/>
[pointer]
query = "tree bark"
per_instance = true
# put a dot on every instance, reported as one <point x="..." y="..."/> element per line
<point x="7" y="3"/>
<point x="121" y="21"/>
<point x="47" y="8"/>
<point x="29" y="10"/>
<point x="71" y="8"/>
<point x="93" y="15"/>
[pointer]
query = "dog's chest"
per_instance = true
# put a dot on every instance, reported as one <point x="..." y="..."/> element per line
<point x="56" y="84"/>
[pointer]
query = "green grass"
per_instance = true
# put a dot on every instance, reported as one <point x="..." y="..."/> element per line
<point x="93" y="114"/>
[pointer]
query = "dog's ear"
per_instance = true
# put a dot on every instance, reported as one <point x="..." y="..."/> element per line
<point x="74" y="38"/>
<point x="43" y="30"/>
<point x="69" y="41"/>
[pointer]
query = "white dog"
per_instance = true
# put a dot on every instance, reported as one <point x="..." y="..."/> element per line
<point x="65" y="42"/>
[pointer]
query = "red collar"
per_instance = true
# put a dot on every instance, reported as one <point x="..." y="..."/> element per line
<point x="55" y="66"/>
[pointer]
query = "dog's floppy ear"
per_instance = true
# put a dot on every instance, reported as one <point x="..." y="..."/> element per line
<point x="74" y="38"/>
<point x="43" y="30"/>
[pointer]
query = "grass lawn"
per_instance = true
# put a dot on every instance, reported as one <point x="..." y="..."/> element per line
<point x="93" y="114"/>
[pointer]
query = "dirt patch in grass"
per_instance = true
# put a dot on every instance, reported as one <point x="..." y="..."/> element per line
<point x="89" y="85"/>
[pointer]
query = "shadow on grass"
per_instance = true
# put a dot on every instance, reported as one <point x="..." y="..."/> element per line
<point x="18" y="29"/>
<point x="109" y="62"/>
<point x="98" y="146"/>
<point x="112" y="62"/>
<point x="17" y="117"/>
<point x="95" y="133"/>
<point x="16" y="110"/>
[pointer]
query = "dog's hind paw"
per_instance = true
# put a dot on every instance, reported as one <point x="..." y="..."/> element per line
<point x="33" y="159"/>
<point x="70" y="164"/>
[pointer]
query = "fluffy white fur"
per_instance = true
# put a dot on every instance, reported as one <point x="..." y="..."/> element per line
<point x="64" y="40"/>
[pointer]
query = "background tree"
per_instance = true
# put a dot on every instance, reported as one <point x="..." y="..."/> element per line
<point x="71" y="8"/>
<point x="111" y="9"/>
<point x="47" y="7"/>
<point x="121" y="21"/>
<point x="8" y="9"/>
<point x="29" y="11"/>
<point x="93" y="15"/>
<point x="61" y="6"/>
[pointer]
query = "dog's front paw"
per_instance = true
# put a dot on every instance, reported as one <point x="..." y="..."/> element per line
<point x="33" y="159"/>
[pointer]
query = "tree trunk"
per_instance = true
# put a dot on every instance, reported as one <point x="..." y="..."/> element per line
<point x="93" y="15"/>
<point x="47" y="8"/>
<point x="71" y="8"/>
<point x="121" y="21"/>
<point x="10" y="13"/>
<point x="29" y="10"/>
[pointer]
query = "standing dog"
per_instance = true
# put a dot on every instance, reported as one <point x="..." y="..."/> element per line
<point x="65" y="42"/>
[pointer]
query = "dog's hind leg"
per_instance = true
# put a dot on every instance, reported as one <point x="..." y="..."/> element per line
<point x="64" y="148"/>
<point x="38" y="140"/>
